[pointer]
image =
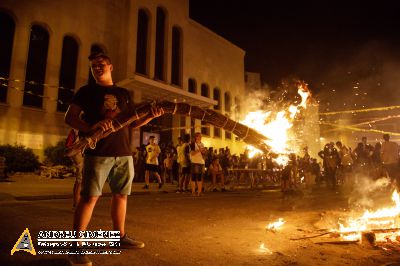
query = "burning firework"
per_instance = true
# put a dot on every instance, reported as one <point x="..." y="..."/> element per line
<point x="264" y="249"/>
<point x="275" y="225"/>
<point x="384" y="222"/>
<point x="276" y="126"/>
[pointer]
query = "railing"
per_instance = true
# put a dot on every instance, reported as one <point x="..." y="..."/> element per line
<point x="252" y="178"/>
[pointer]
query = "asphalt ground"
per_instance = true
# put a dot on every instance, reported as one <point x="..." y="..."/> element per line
<point x="215" y="229"/>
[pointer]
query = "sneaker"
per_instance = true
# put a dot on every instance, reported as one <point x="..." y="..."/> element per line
<point x="160" y="185"/>
<point x="215" y="190"/>
<point x="128" y="243"/>
<point x="145" y="186"/>
<point x="178" y="191"/>
<point x="79" y="260"/>
<point x="223" y="190"/>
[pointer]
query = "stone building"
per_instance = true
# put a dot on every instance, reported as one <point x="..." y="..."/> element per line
<point x="158" y="53"/>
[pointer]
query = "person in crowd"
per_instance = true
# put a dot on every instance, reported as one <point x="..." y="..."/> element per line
<point x="209" y="156"/>
<point x="316" y="171"/>
<point x="390" y="159"/>
<point x="77" y="161"/>
<point x="183" y="150"/>
<point x="331" y="162"/>
<point x="93" y="107"/>
<point x="216" y="171"/>
<point x="378" y="169"/>
<point x="288" y="174"/>
<point x="175" y="166"/>
<point x="168" y="163"/>
<point x="152" y="164"/>
<point x="197" y="164"/>
<point x="305" y="168"/>
<point x="346" y="163"/>
<point x="363" y="153"/>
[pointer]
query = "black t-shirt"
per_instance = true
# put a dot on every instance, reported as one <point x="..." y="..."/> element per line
<point x="98" y="103"/>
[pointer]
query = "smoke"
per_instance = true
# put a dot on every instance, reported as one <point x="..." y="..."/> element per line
<point x="364" y="189"/>
<point x="269" y="98"/>
<point x="368" y="77"/>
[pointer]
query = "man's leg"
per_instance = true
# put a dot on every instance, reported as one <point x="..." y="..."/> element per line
<point x="78" y="163"/>
<point x="146" y="179"/>
<point x="83" y="212"/>
<point x="118" y="212"/>
<point x="222" y="182"/>
<point x="158" y="177"/>
<point x="187" y="180"/>
<point x="76" y="191"/>
<point x="214" y="180"/>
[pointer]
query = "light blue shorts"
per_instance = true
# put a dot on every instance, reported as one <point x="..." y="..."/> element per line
<point x="96" y="170"/>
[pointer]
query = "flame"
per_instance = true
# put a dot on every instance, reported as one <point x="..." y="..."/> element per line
<point x="264" y="249"/>
<point x="276" y="128"/>
<point x="275" y="225"/>
<point x="384" y="218"/>
<point x="305" y="95"/>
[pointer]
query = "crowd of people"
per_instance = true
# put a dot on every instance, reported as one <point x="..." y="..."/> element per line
<point x="339" y="164"/>
<point x="181" y="164"/>
<point x="342" y="164"/>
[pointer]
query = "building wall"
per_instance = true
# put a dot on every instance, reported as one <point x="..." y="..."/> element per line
<point x="206" y="57"/>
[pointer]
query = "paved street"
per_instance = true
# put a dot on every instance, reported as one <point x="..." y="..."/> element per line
<point x="216" y="229"/>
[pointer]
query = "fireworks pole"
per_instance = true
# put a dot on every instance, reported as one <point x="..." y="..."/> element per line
<point x="208" y="116"/>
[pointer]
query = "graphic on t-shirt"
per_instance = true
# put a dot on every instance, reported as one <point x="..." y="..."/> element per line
<point x="110" y="106"/>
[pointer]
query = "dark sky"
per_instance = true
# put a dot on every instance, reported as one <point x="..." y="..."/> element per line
<point x="332" y="45"/>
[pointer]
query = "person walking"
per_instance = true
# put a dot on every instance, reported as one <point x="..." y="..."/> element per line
<point x="152" y="165"/>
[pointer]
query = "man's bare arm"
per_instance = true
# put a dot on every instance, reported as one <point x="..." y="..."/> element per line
<point x="72" y="118"/>
<point x="155" y="112"/>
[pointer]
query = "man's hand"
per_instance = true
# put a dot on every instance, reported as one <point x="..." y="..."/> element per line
<point x="156" y="111"/>
<point x="105" y="125"/>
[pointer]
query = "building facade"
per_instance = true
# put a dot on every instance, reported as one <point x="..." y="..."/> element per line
<point x="157" y="51"/>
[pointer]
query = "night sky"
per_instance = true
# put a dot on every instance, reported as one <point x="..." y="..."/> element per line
<point x="351" y="49"/>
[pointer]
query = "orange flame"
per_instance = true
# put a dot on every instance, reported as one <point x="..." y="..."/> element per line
<point x="384" y="218"/>
<point x="276" y="129"/>
<point x="275" y="225"/>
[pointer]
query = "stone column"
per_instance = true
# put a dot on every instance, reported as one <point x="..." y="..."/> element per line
<point x="18" y="63"/>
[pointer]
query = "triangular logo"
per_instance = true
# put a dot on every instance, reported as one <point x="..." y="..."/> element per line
<point x="24" y="243"/>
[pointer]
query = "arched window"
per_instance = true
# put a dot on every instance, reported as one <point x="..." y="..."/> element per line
<point x="217" y="97"/>
<point x="227" y="97"/>
<point x="192" y="86"/>
<point x="205" y="91"/>
<point x="227" y="108"/>
<point x="237" y="107"/>
<point x="142" y="42"/>
<point x="69" y="61"/>
<point x="7" y="29"/>
<point x="94" y="49"/>
<point x="36" y="67"/>
<point x="159" y="71"/>
<point x="176" y="69"/>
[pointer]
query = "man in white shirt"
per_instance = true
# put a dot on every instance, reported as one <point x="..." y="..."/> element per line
<point x="197" y="152"/>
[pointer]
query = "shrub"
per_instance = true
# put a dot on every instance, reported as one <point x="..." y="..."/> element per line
<point x="55" y="155"/>
<point x="19" y="158"/>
